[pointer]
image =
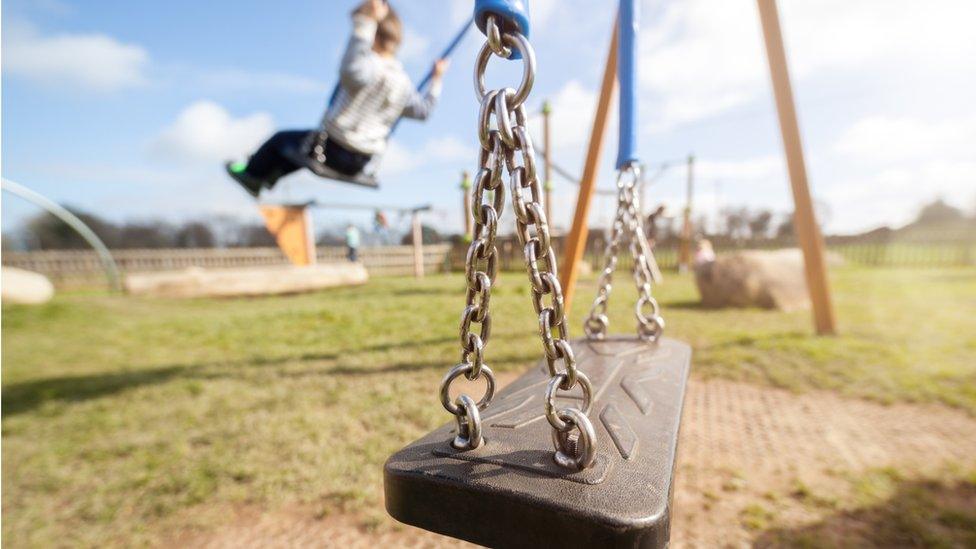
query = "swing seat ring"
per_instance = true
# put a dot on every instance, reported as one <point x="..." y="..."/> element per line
<point x="468" y="425"/>
<point x="575" y="453"/>
<point x="461" y="370"/>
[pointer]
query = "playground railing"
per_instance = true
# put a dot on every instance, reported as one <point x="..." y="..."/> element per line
<point x="935" y="253"/>
<point x="77" y="268"/>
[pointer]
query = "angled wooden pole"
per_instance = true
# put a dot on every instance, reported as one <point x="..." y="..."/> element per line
<point x="807" y="230"/>
<point x="576" y="240"/>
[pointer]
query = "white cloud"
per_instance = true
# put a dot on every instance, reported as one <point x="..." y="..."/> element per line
<point x="754" y="169"/>
<point x="900" y="162"/>
<point x="893" y="196"/>
<point x="93" y="61"/>
<point x="435" y="152"/>
<point x="414" y="46"/>
<point x="902" y="139"/>
<point x="237" y="79"/>
<point x="205" y="131"/>
<point x="573" y="107"/>
<point x="701" y="58"/>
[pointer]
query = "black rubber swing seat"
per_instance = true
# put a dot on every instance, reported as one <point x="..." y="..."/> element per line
<point x="302" y="157"/>
<point x="362" y="179"/>
<point x="510" y="493"/>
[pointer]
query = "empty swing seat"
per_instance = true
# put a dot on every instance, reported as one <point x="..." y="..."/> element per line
<point x="510" y="493"/>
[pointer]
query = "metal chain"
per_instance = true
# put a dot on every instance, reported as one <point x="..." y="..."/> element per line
<point x="507" y="146"/>
<point x="628" y="220"/>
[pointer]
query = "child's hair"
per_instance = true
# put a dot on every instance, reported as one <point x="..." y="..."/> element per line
<point x="389" y="32"/>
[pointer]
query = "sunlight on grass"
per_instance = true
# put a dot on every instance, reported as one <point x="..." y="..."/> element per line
<point x="119" y="414"/>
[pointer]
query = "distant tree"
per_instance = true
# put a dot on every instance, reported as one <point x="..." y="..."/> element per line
<point x="759" y="224"/>
<point x="785" y="228"/>
<point x="194" y="234"/>
<point x="736" y="221"/>
<point x="255" y="236"/>
<point x="146" y="235"/>
<point x="50" y="233"/>
<point x="429" y="236"/>
<point x="330" y="237"/>
<point x="938" y="213"/>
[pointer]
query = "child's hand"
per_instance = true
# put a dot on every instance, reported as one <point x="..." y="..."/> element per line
<point x="440" y="67"/>
<point x="374" y="9"/>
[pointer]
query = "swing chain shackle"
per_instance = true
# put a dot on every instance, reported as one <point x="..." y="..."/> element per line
<point x="627" y="222"/>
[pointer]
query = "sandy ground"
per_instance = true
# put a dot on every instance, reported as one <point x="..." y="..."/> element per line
<point x="744" y="452"/>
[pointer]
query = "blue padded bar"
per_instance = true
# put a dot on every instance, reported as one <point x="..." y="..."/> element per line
<point x="513" y="16"/>
<point x="627" y="75"/>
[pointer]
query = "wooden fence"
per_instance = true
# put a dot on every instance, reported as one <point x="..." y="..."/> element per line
<point x="916" y="254"/>
<point x="82" y="267"/>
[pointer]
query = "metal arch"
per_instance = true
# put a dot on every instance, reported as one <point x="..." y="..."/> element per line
<point x="104" y="255"/>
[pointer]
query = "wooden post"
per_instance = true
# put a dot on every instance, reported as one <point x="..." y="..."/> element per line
<point x="547" y="143"/>
<point x="466" y="204"/>
<point x="418" y="244"/>
<point x="807" y="231"/>
<point x="576" y="240"/>
<point x="687" y="229"/>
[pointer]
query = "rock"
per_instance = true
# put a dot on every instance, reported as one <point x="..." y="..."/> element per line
<point x="24" y="287"/>
<point x="754" y="278"/>
<point x="251" y="281"/>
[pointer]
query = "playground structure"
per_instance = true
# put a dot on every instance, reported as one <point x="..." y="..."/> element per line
<point x="542" y="507"/>
<point x="496" y="466"/>
<point x="808" y="231"/>
<point x="312" y="153"/>
<point x="112" y="275"/>
<point x="292" y="227"/>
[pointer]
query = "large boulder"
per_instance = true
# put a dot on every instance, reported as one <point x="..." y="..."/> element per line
<point x="754" y="278"/>
<point x="249" y="281"/>
<point x="24" y="287"/>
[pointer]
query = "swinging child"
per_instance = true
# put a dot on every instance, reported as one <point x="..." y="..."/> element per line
<point x="374" y="92"/>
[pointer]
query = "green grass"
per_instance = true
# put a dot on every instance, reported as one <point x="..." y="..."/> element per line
<point x="121" y="413"/>
<point x="887" y="510"/>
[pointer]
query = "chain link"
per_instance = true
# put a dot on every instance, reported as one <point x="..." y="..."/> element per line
<point x="627" y="222"/>
<point x="506" y="146"/>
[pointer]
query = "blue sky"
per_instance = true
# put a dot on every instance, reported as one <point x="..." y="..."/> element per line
<point x="126" y="109"/>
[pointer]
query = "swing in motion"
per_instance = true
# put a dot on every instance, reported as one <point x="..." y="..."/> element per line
<point x="580" y="451"/>
<point x="373" y="94"/>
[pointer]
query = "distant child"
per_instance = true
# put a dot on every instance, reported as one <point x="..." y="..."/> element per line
<point x="374" y="92"/>
<point x="704" y="253"/>
<point x="650" y="225"/>
<point x="352" y="243"/>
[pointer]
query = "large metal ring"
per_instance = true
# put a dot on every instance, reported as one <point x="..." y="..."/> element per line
<point x="468" y="424"/>
<point x="576" y="455"/>
<point x="463" y="369"/>
<point x="555" y="384"/>
<point x="521" y="44"/>
<point x="651" y="331"/>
